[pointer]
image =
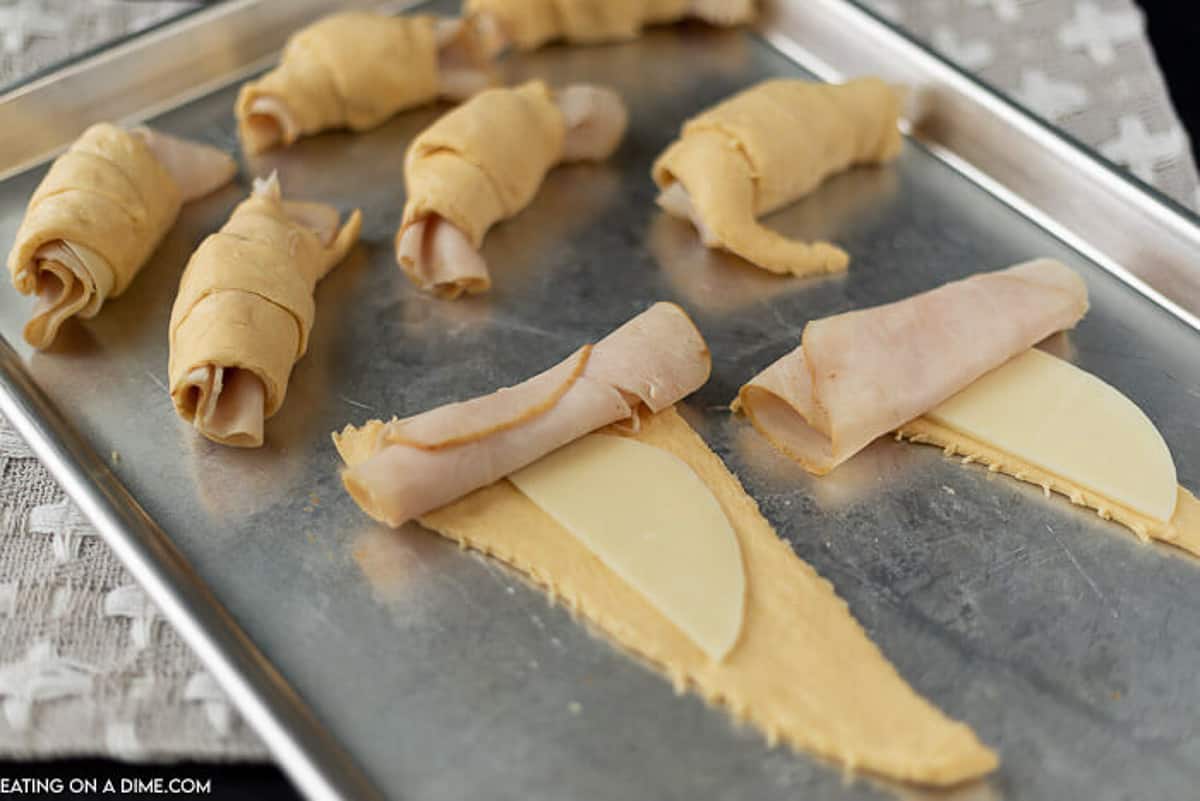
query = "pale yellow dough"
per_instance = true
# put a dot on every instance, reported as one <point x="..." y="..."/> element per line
<point x="1043" y="420"/>
<point x="481" y="163"/>
<point x="529" y="24"/>
<point x="245" y="301"/>
<point x="99" y="213"/>
<point x="484" y="160"/>
<point x="668" y="537"/>
<point x="349" y="70"/>
<point x="109" y="192"/>
<point x="769" y="146"/>
<point x="803" y="670"/>
<point x="107" y="196"/>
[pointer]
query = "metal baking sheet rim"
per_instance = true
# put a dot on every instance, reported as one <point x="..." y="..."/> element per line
<point x="961" y="121"/>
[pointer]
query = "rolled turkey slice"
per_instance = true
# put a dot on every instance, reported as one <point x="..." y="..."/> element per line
<point x="859" y="375"/>
<point x="529" y="25"/>
<point x="484" y="162"/>
<point x="97" y="216"/>
<point x="464" y="62"/>
<point x="245" y="308"/>
<point x="399" y="470"/>
<point x="355" y="70"/>
<point x="197" y="169"/>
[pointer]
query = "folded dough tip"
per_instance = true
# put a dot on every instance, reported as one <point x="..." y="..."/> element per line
<point x="754" y="242"/>
<point x="347" y="237"/>
<point x="268" y="186"/>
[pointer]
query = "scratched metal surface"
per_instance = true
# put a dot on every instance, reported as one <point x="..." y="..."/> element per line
<point x="1068" y="646"/>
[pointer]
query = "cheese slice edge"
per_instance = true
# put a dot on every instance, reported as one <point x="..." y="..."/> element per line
<point x="1051" y="414"/>
<point x="650" y="519"/>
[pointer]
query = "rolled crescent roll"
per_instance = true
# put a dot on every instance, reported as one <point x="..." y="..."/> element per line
<point x="529" y="24"/>
<point x="399" y="470"/>
<point x="97" y="216"/>
<point x="355" y="70"/>
<point x="860" y="375"/>
<point x="483" y="162"/>
<point x="767" y="147"/>
<point x="245" y="308"/>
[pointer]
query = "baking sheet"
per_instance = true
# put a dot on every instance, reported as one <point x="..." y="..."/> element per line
<point x="1068" y="646"/>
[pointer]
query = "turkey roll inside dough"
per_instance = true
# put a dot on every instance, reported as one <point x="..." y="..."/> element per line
<point x="355" y="70"/>
<point x="529" y="24"/>
<point x="245" y="308"/>
<point x="860" y="374"/>
<point x="97" y="216"/>
<point x="404" y="468"/>
<point x="767" y="147"/>
<point x="483" y="162"/>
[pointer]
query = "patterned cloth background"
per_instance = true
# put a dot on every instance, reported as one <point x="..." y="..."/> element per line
<point x="86" y="663"/>
<point x="1084" y="65"/>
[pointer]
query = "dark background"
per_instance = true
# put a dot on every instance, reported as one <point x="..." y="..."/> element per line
<point x="1174" y="30"/>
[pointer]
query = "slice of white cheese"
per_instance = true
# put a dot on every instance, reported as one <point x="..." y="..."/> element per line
<point x="1051" y="414"/>
<point x="648" y="517"/>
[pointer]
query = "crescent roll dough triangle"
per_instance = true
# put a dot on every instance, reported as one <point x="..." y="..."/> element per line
<point x="802" y="670"/>
<point x="767" y="147"/>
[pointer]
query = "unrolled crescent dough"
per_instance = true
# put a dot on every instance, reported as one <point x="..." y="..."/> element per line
<point x="803" y="670"/>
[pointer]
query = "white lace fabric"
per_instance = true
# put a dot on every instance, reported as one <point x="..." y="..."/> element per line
<point x="88" y="666"/>
<point x="1084" y="65"/>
